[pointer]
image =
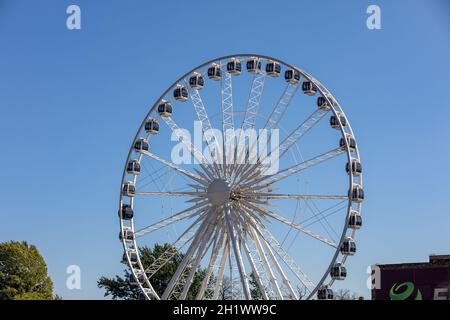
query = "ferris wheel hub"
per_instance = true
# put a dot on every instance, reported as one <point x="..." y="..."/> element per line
<point x="219" y="191"/>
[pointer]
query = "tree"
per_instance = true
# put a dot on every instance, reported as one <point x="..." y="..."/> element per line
<point x="255" y="290"/>
<point x="346" y="294"/>
<point x="121" y="288"/>
<point x="230" y="289"/>
<point x="23" y="273"/>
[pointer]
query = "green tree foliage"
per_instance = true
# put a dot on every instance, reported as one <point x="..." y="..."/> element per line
<point x="23" y="273"/>
<point x="121" y="288"/>
<point x="255" y="290"/>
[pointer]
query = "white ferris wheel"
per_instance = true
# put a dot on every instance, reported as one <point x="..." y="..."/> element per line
<point x="256" y="195"/>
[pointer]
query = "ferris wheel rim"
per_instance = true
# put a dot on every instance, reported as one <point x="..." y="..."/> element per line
<point x="334" y="108"/>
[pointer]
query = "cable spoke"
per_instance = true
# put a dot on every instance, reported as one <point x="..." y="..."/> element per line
<point x="262" y="195"/>
<point x="301" y="130"/>
<point x="291" y="224"/>
<point x="169" y="194"/>
<point x="198" y="155"/>
<point x="285" y="173"/>
<point x="272" y="242"/>
<point x="176" y="168"/>
<point x="184" y="214"/>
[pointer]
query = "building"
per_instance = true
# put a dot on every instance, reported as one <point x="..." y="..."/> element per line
<point x="412" y="281"/>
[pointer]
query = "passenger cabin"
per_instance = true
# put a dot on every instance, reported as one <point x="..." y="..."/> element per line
<point x="273" y="68"/>
<point x="292" y="76"/>
<point x="214" y="72"/>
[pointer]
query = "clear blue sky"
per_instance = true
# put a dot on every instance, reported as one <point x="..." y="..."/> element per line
<point x="70" y="103"/>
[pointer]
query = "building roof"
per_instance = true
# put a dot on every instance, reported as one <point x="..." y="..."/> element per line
<point x="435" y="261"/>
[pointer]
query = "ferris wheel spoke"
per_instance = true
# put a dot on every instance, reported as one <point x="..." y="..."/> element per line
<point x="265" y="262"/>
<point x="188" y="174"/>
<point x="285" y="173"/>
<point x="212" y="262"/>
<point x="274" y="118"/>
<point x="237" y="255"/>
<point x="254" y="260"/>
<point x="200" y="233"/>
<point x="251" y="112"/>
<point x="197" y="154"/>
<point x="184" y="214"/>
<point x="285" y="279"/>
<point x="170" y="194"/>
<point x="175" y="248"/>
<point x="280" y="108"/>
<point x="322" y="216"/>
<point x="223" y="261"/>
<point x="263" y="195"/>
<point x="295" y="136"/>
<point x="204" y="247"/>
<point x="275" y="216"/>
<point x="253" y="101"/>
<point x="203" y="118"/>
<point x="227" y="116"/>
<point x="272" y="242"/>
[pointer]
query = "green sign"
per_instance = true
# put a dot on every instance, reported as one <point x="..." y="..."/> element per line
<point x="404" y="291"/>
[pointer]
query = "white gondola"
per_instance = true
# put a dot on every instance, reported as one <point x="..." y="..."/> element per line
<point x="309" y="88"/>
<point x="322" y="103"/>
<point x="128" y="189"/>
<point x="357" y="194"/>
<point x="130" y="254"/>
<point x="141" y="145"/>
<point x="254" y="65"/>
<point x="325" y="293"/>
<point x="180" y="93"/>
<point x="234" y="66"/>
<point x="138" y="279"/>
<point x="196" y="81"/>
<point x="126" y="235"/>
<point x="334" y="122"/>
<point x="152" y="126"/>
<point x="356" y="167"/>
<point x="133" y="167"/>
<point x="126" y="212"/>
<point x="165" y="109"/>
<point x="348" y="247"/>
<point x="214" y="72"/>
<point x="292" y="76"/>
<point x="351" y="143"/>
<point x="355" y="220"/>
<point x="273" y="68"/>
<point x="338" y="271"/>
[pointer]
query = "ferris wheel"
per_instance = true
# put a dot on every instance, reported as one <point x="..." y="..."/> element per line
<point x="247" y="170"/>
